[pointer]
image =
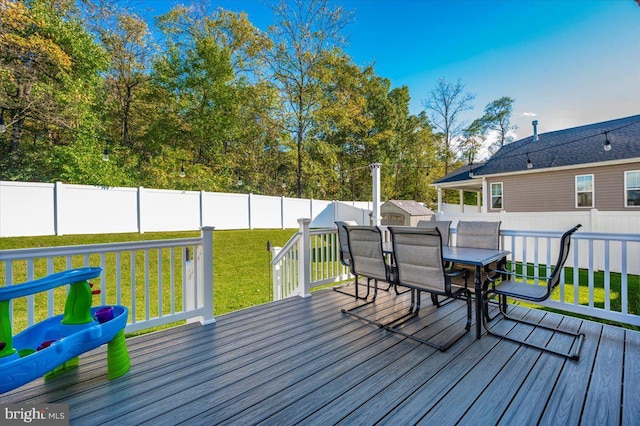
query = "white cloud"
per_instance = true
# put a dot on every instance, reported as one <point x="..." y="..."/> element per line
<point x="528" y="114"/>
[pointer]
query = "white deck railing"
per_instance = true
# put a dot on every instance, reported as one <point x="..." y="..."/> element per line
<point x="323" y="266"/>
<point x="160" y="282"/>
<point x="603" y="263"/>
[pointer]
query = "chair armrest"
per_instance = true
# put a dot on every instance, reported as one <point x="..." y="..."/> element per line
<point x="500" y="272"/>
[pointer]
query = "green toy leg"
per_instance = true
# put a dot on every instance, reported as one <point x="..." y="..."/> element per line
<point x="5" y="330"/>
<point x="77" y="309"/>
<point x="69" y="365"/>
<point x="117" y="356"/>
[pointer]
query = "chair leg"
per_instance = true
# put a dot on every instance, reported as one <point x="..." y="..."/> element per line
<point x="447" y="345"/>
<point x="578" y="338"/>
<point x="355" y="308"/>
<point x="340" y="290"/>
<point x="434" y="300"/>
<point x="400" y="292"/>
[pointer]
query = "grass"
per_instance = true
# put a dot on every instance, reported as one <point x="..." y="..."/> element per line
<point x="242" y="275"/>
<point x="615" y="285"/>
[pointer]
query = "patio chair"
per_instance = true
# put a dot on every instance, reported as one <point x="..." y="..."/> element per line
<point x="345" y="258"/>
<point x="367" y="260"/>
<point x="534" y="293"/>
<point x="419" y="266"/>
<point x="482" y="235"/>
<point x="444" y="226"/>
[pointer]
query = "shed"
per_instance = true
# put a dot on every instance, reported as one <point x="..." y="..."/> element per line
<point x="404" y="213"/>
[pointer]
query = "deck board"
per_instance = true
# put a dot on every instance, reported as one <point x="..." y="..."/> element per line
<point x="301" y="361"/>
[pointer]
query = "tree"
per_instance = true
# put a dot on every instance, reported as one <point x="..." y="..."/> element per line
<point x="49" y="73"/>
<point x="128" y="44"/>
<point x="214" y="106"/>
<point x="446" y="104"/>
<point x="305" y="33"/>
<point x="497" y="117"/>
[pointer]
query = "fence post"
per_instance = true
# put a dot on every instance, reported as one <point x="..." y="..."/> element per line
<point x="57" y="189"/>
<point x="282" y="211"/>
<point x="207" y="273"/>
<point x="277" y="274"/>
<point x="139" y="199"/>
<point x="304" y="259"/>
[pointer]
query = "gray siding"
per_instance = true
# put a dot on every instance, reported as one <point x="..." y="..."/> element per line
<point x="555" y="191"/>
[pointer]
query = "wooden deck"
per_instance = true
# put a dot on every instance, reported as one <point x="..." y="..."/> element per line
<point x="303" y="361"/>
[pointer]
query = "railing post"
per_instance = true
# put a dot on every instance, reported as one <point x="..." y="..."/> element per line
<point x="207" y="273"/>
<point x="304" y="259"/>
<point x="277" y="274"/>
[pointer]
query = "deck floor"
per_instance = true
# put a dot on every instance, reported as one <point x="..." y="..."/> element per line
<point x="303" y="361"/>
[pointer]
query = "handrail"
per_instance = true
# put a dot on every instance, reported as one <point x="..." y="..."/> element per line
<point x="170" y="280"/>
<point x="292" y="241"/>
<point x="603" y="265"/>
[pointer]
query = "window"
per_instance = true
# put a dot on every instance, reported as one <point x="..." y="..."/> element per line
<point x="584" y="191"/>
<point x="632" y="188"/>
<point x="496" y="195"/>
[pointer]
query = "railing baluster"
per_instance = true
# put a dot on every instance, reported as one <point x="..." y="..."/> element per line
<point x="590" y="275"/>
<point x="132" y="278"/>
<point x="31" y="297"/>
<point x="118" y="279"/>
<point x="50" y="294"/>
<point x="623" y="279"/>
<point x="607" y="278"/>
<point x="160" y="298"/>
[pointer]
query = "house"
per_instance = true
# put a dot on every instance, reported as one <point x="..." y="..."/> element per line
<point x="404" y="213"/>
<point x="595" y="166"/>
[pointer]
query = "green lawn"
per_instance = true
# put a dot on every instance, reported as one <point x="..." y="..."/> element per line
<point x="633" y="289"/>
<point x="242" y="275"/>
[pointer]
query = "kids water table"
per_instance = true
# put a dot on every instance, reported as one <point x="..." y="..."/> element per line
<point x="52" y="346"/>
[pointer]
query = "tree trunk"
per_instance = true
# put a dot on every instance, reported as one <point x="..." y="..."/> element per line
<point x="16" y="134"/>
<point x="299" y="142"/>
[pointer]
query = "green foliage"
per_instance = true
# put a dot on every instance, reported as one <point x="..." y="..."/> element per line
<point x="284" y="113"/>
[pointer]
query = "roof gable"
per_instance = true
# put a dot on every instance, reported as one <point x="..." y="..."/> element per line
<point x="410" y="206"/>
<point x="575" y="146"/>
<point x="561" y="148"/>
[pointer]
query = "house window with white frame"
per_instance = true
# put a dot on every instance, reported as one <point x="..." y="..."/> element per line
<point x="632" y="188"/>
<point x="584" y="191"/>
<point x="496" y="195"/>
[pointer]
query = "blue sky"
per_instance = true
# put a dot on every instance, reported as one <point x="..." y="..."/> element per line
<point x="566" y="63"/>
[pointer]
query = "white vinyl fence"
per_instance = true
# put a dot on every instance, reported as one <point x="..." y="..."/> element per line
<point x="32" y="209"/>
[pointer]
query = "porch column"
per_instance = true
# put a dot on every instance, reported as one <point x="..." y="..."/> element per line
<point x="304" y="259"/>
<point x="439" y="189"/>
<point x="375" y="187"/>
<point x="206" y="289"/>
<point x="484" y="195"/>
<point x="461" y="200"/>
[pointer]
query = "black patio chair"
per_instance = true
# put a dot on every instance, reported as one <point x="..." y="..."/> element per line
<point x="520" y="290"/>
<point x="419" y="266"/>
<point x="345" y="259"/>
<point x="367" y="260"/>
<point x="444" y="226"/>
<point x="482" y="235"/>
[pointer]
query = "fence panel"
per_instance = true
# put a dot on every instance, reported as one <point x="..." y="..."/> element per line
<point x="27" y="209"/>
<point x="94" y="210"/>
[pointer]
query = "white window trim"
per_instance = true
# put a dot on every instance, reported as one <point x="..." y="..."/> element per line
<point x="626" y="173"/>
<point x="593" y="192"/>
<point x="491" y="195"/>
